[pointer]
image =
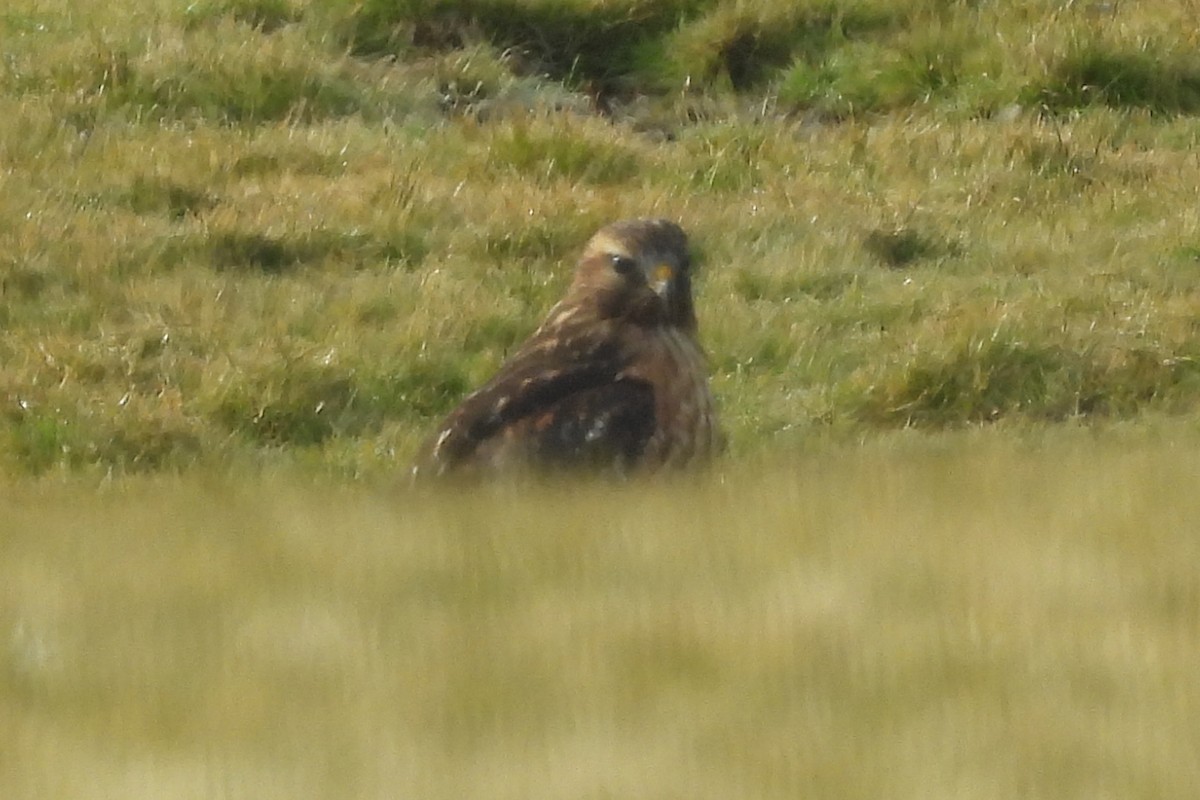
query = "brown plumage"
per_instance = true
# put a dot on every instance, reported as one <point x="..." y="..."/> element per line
<point x="614" y="379"/>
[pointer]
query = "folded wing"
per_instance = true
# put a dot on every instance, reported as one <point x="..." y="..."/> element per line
<point x="559" y="402"/>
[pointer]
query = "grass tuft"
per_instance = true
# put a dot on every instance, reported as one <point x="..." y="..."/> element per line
<point x="984" y="380"/>
<point x="1100" y="74"/>
<point x="562" y="152"/>
<point x="200" y="76"/>
<point x="727" y="159"/>
<point x="555" y="238"/>
<point x="262" y="92"/>
<point x="981" y="381"/>
<point x="918" y="66"/>
<point x="734" y="45"/>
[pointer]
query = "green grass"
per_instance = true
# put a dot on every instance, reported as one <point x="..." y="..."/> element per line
<point x="949" y="276"/>
<point x="967" y="615"/>
<point x="262" y="232"/>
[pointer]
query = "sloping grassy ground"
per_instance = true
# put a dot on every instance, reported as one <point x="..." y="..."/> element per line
<point x="950" y="616"/>
<point x="262" y="232"/>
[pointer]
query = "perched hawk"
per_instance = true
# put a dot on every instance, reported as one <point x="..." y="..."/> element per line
<point x="613" y="380"/>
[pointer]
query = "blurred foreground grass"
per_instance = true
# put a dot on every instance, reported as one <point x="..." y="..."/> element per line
<point x="961" y="616"/>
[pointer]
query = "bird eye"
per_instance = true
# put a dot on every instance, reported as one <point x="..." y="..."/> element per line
<point x="624" y="264"/>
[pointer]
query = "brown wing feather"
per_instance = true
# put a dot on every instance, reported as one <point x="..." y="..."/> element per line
<point x="607" y="426"/>
<point x="559" y="400"/>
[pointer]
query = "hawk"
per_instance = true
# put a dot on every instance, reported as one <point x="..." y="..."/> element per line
<point x="613" y="380"/>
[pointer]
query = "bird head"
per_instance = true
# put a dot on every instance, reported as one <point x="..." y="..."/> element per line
<point x="639" y="269"/>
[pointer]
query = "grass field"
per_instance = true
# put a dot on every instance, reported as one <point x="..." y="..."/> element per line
<point x="251" y="250"/>
<point x="953" y="616"/>
<point x="257" y="233"/>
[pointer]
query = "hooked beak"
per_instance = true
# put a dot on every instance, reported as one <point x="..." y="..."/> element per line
<point x="662" y="279"/>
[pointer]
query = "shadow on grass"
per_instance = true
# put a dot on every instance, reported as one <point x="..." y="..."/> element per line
<point x="612" y="46"/>
<point x="568" y="41"/>
<point x="146" y="195"/>
<point x="21" y="282"/>
<point x="252" y="251"/>
<point x="902" y="247"/>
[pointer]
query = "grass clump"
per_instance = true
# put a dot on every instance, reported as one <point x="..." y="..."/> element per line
<point x="227" y="74"/>
<point x="552" y="239"/>
<point x="980" y="381"/>
<point x="562" y="153"/>
<point x="1094" y="73"/>
<point x="740" y="46"/>
<point x="984" y="380"/>
<point x="929" y="62"/>
<point x="727" y="158"/>
<point x="257" y="91"/>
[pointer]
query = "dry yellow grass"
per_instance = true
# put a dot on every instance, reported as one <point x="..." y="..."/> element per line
<point x="966" y="617"/>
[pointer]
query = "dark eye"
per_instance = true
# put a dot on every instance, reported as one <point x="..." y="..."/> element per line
<point x="624" y="264"/>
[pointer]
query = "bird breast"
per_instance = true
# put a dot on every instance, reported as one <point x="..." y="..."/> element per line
<point x="686" y="425"/>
